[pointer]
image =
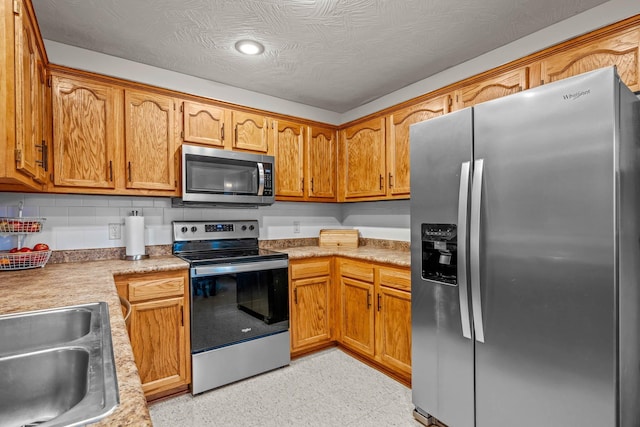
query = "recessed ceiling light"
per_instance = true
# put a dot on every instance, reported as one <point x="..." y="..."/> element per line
<point x="249" y="47"/>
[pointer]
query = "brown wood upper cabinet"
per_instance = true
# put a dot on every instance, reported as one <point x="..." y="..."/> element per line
<point x="362" y="161"/>
<point x="87" y="119"/>
<point x="321" y="158"/>
<point x="203" y="124"/>
<point x="110" y="140"/>
<point x="492" y="88"/>
<point x="23" y="134"/>
<point x="289" y="144"/>
<point x="621" y="49"/>
<point x="150" y="153"/>
<point x="250" y="132"/>
<point x="398" y="144"/>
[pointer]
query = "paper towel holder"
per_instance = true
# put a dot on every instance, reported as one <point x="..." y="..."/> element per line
<point x="136" y="257"/>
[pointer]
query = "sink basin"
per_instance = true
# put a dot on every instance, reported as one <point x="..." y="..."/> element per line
<point x="32" y="384"/>
<point x="22" y="332"/>
<point x="57" y="367"/>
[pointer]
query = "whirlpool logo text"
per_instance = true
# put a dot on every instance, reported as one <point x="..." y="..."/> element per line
<point x="576" y="95"/>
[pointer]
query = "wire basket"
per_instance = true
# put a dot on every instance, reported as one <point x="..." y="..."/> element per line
<point x="21" y="225"/>
<point x="23" y="260"/>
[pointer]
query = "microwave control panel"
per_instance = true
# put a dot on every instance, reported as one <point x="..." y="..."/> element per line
<point x="268" y="179"/>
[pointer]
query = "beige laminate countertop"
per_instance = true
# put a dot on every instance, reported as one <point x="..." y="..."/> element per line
<point x="394" y="257"/>
<point x="59" y="285"/>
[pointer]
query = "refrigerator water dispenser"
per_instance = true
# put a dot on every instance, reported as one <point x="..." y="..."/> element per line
<point x="439" y="253"/>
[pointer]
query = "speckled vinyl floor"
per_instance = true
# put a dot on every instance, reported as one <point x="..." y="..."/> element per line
<point x="328" y="388"/>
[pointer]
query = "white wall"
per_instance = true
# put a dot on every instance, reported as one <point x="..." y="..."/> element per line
<point x="87" y="60"/>
<point x="81" y="221"/>
<point x="607" y="13"/>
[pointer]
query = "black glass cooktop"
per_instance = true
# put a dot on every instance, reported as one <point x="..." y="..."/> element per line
<point x="231" y="255"/>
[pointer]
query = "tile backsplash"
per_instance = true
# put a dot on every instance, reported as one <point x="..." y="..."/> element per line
<point x="82" y="221"/>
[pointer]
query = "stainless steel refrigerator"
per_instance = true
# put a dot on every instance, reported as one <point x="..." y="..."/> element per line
<point x="525" y="259"/>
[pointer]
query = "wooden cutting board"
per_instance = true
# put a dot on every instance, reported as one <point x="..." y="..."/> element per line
<point x="342" y="238"/>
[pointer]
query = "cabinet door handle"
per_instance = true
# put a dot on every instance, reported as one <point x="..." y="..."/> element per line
<point x="129" y="171"/>
<point x="368" y="299"/>
<point x="110" y="170"/>
<point x="43" y="155"/>
<point x="302" y="184"/>
<point x="222" y="132"/>
<point x="295" y="296"/>
<point x="235" y="140"/>
<point x="381" y="181"/>
<point x="311" y="185"/>
<point x="390" y="180"/>
<point x="379" y="297"/>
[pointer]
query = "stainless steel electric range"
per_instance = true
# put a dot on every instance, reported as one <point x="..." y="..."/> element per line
<point x="239" y="301"/>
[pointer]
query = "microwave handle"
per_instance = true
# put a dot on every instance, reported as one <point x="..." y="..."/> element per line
<point x="260" y="179"/>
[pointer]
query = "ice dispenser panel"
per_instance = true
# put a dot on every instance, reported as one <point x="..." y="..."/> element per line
<point x="439" y="253"/>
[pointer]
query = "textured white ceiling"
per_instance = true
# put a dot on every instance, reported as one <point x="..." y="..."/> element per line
<point x="331" y="54"/>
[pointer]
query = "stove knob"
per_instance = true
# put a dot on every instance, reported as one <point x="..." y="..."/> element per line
<point x="251" y="227"/>
<point x="184" y="229"/>
<point x="194" y="229"/>
<point x="244" y="227"/>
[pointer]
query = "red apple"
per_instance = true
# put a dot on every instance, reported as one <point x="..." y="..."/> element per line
<point x="25" y="249"/>
<point x="13" y="250"/>
<point x="41" y="247"/>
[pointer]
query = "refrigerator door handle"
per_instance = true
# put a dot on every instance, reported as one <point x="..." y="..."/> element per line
<point x="474" y="250"/>
<point x="463" y="284"/>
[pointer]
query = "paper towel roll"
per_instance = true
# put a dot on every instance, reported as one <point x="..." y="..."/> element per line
<point x="134" y="235"/>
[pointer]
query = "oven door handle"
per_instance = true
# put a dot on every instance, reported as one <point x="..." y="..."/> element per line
<point x="231" y="268"/>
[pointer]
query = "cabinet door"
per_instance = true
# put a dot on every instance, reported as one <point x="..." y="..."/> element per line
<point x="492" y="88"/>
<point x="621" y="50"/>
<point x="250" y="132"/>
<point x="398" y="143"/>
<point x="150" y="141"/>
<point x="87" y="117"/>
<point x="27" y="94"/>
<point x="321" y="164"/>
<point x="363" y="159"/>
<point x="357" y="315"/>
<point x="393" y="334"/>
<point x="203" y="124"/>
<point x="158" y="340"/>
<point x="310" y="312"/>
<point x="289" y="153"/>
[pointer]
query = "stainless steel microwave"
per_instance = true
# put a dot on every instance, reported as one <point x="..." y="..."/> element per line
<point x="224" y="177"/>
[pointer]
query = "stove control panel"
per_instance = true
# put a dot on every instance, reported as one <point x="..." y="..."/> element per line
<point x="214" y="230"/>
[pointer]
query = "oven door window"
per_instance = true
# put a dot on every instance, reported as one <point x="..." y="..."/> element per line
<point x="230" y="308"/>
<point x="221" y="176"/>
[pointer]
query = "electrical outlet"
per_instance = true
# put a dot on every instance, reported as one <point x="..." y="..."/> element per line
<point x="296" y="227"/>
<point x="114" y="232"/>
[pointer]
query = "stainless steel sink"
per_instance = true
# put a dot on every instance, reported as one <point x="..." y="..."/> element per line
<point x="26" y="331"/>
<point x="57" y="367"/>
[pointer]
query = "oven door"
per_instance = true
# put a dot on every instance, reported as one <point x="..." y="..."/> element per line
<point x="236" y="302"/>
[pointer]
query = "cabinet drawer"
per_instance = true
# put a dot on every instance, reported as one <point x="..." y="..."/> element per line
<point x="357" y="271"/>
<point x="399" y="279"/>
<point x="310" y="269"/>
<point x="140" y="290"/>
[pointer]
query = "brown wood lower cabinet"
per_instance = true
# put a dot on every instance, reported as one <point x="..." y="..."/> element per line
<point x="311" y="304"/>
<point x="357" y="311"/>
<point x="393" y="319"/>
<point x="159" y="329"/>
<point x="364" y="306"/>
